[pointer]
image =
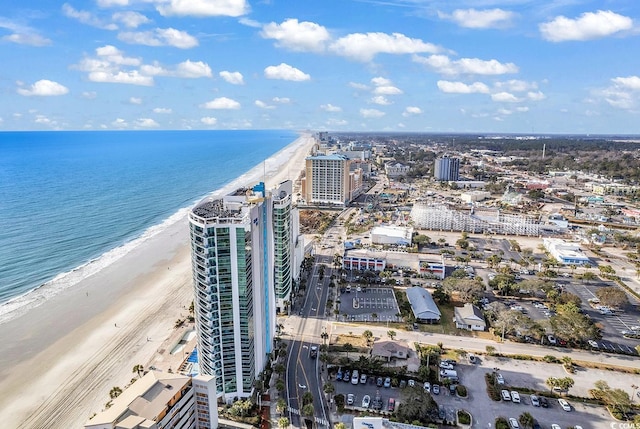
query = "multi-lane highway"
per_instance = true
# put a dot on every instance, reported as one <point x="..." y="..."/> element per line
<point x="304" y="372"/>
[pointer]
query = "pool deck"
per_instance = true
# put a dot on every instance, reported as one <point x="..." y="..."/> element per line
<point x="163" y="360"/>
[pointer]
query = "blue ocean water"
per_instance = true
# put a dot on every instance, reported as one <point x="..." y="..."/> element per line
<point x="66" y="198"/>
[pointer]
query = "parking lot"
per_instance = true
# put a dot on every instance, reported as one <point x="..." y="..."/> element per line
<point x="361" y="305"/>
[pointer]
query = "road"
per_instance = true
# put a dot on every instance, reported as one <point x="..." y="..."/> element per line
<point x="304" y="373"/>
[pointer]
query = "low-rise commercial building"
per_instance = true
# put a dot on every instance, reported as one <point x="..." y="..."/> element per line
<point x="423" y="306"/>
<point x="394" y="235"/>
<point x="565" y="253"/>
<point x="469" y="317"/>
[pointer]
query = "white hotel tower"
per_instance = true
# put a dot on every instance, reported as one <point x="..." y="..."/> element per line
<point x="234" y="247"/>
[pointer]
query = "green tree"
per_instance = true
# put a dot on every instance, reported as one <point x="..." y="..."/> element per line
<point x="329" y="388"/>
<point x="468" y="290"/>
<point x="368" y="337"/>
<point x="526" y="420"/>
<point x="281" y="406"/>
<point x="308" y="410"/>
<point x="391" y="334"/>
<point x="307" y="398"/>
<point x="573" y="324"/>
<point x="283" y="422"/>
<point x="348" y="348"/>
<point x="115" y="392"/>
<point x="612" y="297"/>
<point x="138" y="369"/>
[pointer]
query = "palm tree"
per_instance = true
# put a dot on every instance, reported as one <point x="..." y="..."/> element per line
<point x="391" y="334"/>
<point x="526" y="420"/>
<point x="283" y="422"/>
<point x="138" y="369"/>
<point x="281" y="406"/>
<point x="348" y="348"/>
<point x="368" y="336"/>
<point x="115" y="392"/>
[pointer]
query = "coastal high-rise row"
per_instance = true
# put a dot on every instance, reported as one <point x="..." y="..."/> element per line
<point x="242" y="246"/>
<point x="446" y="169"/>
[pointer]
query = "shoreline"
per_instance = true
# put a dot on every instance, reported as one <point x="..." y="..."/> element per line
<point x="60" y="359"/>
<point x="39" y="294"/>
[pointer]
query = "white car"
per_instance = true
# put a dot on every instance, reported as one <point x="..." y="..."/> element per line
<point x="445" y="365"/>
<point x="350" y="398"/>
<point x="593" y="344"/>
<point x="411" y="383"/>
<point x="564" y="404"/>
<point x="515" y="397"/>
<point x="427" y="386"/>
<point x="513" y="423"/>
<point x="499" y="379"/>
<point x="555" y="426"/>
<point x="366" y="400"/>
<point x="505" y="395"/>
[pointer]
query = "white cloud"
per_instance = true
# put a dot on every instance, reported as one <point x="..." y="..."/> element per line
<point x="381" y="81"/>
<point x="146" y="123"/>
<point x="381" y="100"/>
<point x="590" y="25"/>
<point x="488" y="18"/>
<point x="86" y="18"/>
<point x="630" y="82"/>
<point x="387" y="90"/>
<point x="114" y="55"/>
<point x="162" y="110"/>
<point x="536" y="95"/>
<point x="187" y="69"/>
<point x="249" y="22"/>
<point x="412" y="110"/>
<point x="281" y="100"/>
<point x="111" y="3"/>
<point x="132" y="77"/>
<point x="336" y="122"/>
<point x="160" y="37"/>
<point x="522" y="109"/>
<point x="330" y="108"/>
<point x="234" y="78"/>
<point x="297" y="36"/>
<point x="285" y="72"/>
<point x="208" y="120"/>
<point x="89" y="95"/>
<point x="135" y="100"/>
<point x="232" y="8"/>
<point x="119" y="123"/>
<point x="504" y="111"/>
<point x="462" y="88"/>
<point x="504" y="97"/>
<point x="31" y="39"/>
<point x="43" y="120"/>
<point x="130" y="19"/>
<point x="365" y="46"/>
<point x="222" y="103"/>
<point x="515" y="85"/>
<point x="44" y="88"/>
<point x="358" y="86"/>
<point x="371" y="113"/>
<point x="444" y="65"/>
<point x="22" y="34"/>
<point x="261" y="104"/>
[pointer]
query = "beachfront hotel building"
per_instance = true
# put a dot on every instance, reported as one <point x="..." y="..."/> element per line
<point x="161" y="400"/>
<point x="241" y="247"/>
<point x="330" y="179"/>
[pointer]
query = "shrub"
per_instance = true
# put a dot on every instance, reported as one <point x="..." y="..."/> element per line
<point x="502" y="423"/>
<point x="461" y="390"/>
<point x="551" y="359"/>
<point x="464" y="418"/>
<point x="492" y="389"/>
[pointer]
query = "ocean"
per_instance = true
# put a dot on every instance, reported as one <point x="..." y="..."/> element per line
<point x="73" y="202"/>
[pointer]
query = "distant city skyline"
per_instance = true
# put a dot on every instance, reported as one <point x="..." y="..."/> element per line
<point x="486" y="66"/>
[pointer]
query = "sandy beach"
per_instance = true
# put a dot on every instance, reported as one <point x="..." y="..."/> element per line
<point x="59" y="360"/>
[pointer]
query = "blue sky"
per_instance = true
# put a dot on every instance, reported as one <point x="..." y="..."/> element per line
<point x="522" y="66"/>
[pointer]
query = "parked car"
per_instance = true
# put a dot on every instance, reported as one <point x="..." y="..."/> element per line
<point x="350" y="398"/>
<point x="387" y="382"/>
<point x="339" y="375"/>
<point x="377" y="402"/>
<point x="515" y="397"/>
<point x="552" y="339"/>
<point x="555" y="426"/>
<point x="535" y="401"/>
<point x="379" y="382"/>
<point x="355" y="378"/>
<point x="513" y="423"/>
<point x="435" y="389"/>
<point x="363" y="379"/>
<point x="392" y="405"/>
<point x="445" y="365"/>
<point x="411" y="383"/>
<point x="366" y="400"/>
<point x="506" y="396"/>
<point x="451" y="361"/>
<point x="427" y="386"/>
<point x="544" y="402"/>
<point x="564" y="404"/>
<point x="499" y="379"/>
<point x="402" y="384"/>
<point x="593" y="344"/>
<point x="472" y="359"/>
